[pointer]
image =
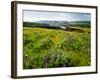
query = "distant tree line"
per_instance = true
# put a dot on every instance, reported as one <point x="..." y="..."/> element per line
<point x="57" y="25"/>
<point x="41" y="25"/>
<point x="33" y="24"/>
<point x="82" y="24"/>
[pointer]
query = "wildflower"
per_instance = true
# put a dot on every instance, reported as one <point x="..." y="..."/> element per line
<point x="46" y="61"/>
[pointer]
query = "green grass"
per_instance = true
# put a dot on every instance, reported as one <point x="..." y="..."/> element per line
<point x="51" y="48"/>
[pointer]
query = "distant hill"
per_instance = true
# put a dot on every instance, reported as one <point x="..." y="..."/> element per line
<point x="34" y="24"/>
<point x="57" y="24"/>
<point x="80" y="23"/>
<point x="54" y="23"/>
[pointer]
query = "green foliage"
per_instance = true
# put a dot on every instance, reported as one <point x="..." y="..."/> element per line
<point x="33" y="24"/>
<point x="82" y="24"/>
<point x="50" y="48"/>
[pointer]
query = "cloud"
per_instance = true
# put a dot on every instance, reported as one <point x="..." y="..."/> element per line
<point x="59" y="16"/>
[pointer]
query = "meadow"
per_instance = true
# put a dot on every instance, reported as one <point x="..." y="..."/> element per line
<point x="51" y="48"/>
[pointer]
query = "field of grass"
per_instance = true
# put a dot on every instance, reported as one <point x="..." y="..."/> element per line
<point x="51" y="48"/>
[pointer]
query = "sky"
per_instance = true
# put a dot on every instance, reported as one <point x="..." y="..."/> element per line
<point x="33" y="16"/>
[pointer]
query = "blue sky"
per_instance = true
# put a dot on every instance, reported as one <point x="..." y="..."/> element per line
<point x="32" y="16"/>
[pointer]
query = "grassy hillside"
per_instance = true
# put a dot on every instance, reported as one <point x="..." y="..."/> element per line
<point x="50" y="48"/>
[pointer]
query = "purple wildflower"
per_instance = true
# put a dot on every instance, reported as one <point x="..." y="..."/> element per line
<point x="46" y="61"/>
